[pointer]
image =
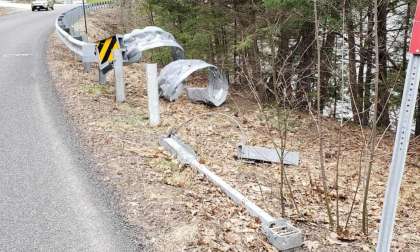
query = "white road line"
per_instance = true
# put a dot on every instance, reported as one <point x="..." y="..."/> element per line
<point x="9" y="55"/>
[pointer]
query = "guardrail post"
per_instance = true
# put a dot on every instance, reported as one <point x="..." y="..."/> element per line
<point x="119" y="76"/>
<point x="153" y="94"/>
<point x="102" y="77"/>
<point x="89" y="56"/>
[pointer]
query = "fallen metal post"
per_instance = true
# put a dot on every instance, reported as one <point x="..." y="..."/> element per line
<point x="153" y="94"/>
<point x="119" y="76"/>
<point x="402" y="139"/>
<point x="279" y="232"/>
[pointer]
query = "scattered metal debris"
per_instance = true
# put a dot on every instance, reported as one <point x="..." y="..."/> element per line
<point x="280" y="233"/>
<point x="140" y="40"/>
<point x="172" y="77"/>
<point x="267" y="155"/>
<point x="216" y="92"/>
<point x="169" y="144"/>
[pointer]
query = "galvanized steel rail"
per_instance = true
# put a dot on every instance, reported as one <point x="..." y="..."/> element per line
<point x="65" y="30"/>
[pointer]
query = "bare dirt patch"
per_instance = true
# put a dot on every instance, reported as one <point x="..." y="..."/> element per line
<point x="178" y="209"/>
<point x="5" y="11"/>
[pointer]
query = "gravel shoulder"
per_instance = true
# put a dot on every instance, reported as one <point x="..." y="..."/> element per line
<point x="7" y="8"/>
<point x="3" y="11"/>
<point x="7" y="11"/>
<point x="179" y="210"/>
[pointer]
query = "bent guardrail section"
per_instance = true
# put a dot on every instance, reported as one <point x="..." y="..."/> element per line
<point x="150" y="37"/>
<point x="172" y="78"/>
<point x="71" y="38"/>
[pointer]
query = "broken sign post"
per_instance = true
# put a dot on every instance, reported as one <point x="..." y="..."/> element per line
<point x="279" y="232"/>
<point x="402" y="139"/>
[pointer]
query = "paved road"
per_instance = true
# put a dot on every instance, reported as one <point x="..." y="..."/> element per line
<point x="49" y="200"/>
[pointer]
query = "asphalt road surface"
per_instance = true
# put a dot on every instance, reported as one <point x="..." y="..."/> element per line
<point x="49" y="200"/>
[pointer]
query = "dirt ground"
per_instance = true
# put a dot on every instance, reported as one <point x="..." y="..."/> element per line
<point x="4" y="11"/>
<point x="180" y="210"/>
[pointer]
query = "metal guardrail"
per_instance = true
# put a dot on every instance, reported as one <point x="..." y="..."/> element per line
<point x="140" y="40"/>
<point x="279" y="232"/>
<point x="134" y="45"/>
<point x="64" y="26"/>
<point x="172" y="78"/>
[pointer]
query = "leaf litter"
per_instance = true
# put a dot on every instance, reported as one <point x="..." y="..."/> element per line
<point x="180" y="210"/>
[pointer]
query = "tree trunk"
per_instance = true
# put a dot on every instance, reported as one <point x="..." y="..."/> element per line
<point x="247" y="21"/>
<point x="369" y="76"/>
<point x="327" y="50"/>
<point x="356" y="103"/>
<point x="323" y="176"/>
<point x="383" y="106"/>
<point x="373" y="142"/>
<point x="304" y="68"/>
<point x="406" y="34"/>
<point x="236" y="65"/>
<point x="284" y="67"/>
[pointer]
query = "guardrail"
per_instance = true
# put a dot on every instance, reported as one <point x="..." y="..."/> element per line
<point x="170" y="83"/>
<point x="77" y="43"/>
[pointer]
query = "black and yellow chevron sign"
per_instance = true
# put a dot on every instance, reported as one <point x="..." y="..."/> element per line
<point x="105" y="48"/>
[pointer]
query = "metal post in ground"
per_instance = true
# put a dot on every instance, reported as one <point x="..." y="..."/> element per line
<point x="84" y="16"/>
<point x="88" y="56"/>
<point x="119" y="76"/>
<point x="402" y="139"/>
<point x="102" y="77"/>
<point x="153" y="94"/>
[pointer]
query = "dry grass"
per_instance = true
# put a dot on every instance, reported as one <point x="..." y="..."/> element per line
<point x="4" y="11"/>
<point x="178" y="209"/>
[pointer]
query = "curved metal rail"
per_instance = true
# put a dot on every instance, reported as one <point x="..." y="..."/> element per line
<point x="64" y="28"/>
<point x="172" y="77"/>
<point x="150" y="37"/>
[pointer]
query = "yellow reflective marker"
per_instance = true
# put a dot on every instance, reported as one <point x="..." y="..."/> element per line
<point x="105" y="48"/>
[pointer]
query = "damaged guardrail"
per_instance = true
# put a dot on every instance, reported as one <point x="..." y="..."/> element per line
<point x="171" y="83"/>
<point x="280" y="233"/>
<point x="172" y="77"/>
<point x="77" y="43"/>
<point x="150" y="37"/>
<point x="262" y="154"/>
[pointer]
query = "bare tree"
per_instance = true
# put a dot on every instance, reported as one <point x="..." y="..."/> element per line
<point x="323" y="177"/>
<point x="374" y="124"/>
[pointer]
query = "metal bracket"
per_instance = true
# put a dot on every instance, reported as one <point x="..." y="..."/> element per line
<point x="267" y="155"/>
<point x="282" y="234"/>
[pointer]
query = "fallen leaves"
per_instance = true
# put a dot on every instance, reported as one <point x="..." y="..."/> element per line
<point x="177" y="206"/>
